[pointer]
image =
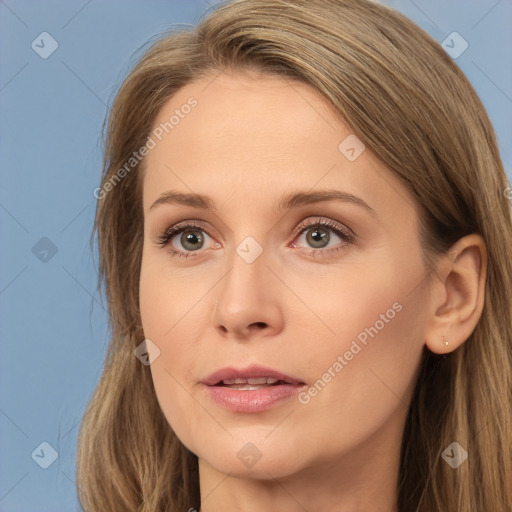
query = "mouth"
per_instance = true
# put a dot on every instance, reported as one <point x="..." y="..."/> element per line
<point x="253" y="389"/>
<point x="251" y="384"/>
<point x="254" y="375"/>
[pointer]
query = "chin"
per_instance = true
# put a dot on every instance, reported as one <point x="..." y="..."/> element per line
<point x="261" y="458"/>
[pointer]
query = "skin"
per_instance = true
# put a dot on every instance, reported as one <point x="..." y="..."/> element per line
<point x="250" y="140"/>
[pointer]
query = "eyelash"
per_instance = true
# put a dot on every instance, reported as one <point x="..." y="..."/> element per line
<point x="343" y="233"/>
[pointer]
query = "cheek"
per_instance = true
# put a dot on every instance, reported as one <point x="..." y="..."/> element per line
<point x="168" y="297"/>
<point x="170" y="308"/>
<point x="359" y="302"/>
<point x="362" y="372"/>
<point x="374" y="378"/>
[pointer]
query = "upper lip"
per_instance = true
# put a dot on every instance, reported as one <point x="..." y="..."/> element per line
<point x="251" y="372"/>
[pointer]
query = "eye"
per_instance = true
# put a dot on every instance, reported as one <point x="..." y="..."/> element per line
<point x="315" y="231"/>
<point x="192" y="239"/>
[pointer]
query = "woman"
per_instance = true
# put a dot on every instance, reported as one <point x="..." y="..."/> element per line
<point x="305" y="238"/>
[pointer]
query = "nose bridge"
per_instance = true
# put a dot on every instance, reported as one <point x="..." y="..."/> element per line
<point x="250" y="250"/>
<point x="244" y="298"/>
<point x="246" y="276"/>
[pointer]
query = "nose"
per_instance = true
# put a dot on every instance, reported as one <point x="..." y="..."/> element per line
<point x="246" y="303"/>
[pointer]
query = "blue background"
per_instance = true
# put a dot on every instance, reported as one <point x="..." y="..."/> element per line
<point x="53" y="325"/>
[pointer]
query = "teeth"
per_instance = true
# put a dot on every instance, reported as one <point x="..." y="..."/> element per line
<point x="248" y="387"/>
<point x="262" y="380"/>
<point x="255" y="381"/>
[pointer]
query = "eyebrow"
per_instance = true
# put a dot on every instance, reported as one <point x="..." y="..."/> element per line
<point x="288" y="201"/>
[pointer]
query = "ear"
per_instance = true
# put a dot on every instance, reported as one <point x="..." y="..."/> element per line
<point x="457" y="295"/>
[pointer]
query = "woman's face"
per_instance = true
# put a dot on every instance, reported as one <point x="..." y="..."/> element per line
<point x="300" y="262"/>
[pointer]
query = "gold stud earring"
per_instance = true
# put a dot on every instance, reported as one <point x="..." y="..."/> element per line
<point x="445" y="342"/>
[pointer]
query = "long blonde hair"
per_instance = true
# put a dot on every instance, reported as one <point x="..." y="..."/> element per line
<point x="412" y="106"/>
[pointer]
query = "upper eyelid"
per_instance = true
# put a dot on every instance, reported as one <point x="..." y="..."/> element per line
<point x="326" y="223"/>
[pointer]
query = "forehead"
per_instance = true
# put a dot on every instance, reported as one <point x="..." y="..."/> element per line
<point x="255" y="134"/>
<point x="253" y="110"/>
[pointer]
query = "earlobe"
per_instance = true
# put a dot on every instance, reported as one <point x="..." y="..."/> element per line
<point x="458" y="298"/>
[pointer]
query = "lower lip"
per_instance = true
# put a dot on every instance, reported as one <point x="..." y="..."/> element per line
<point x="256" y="400"/>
